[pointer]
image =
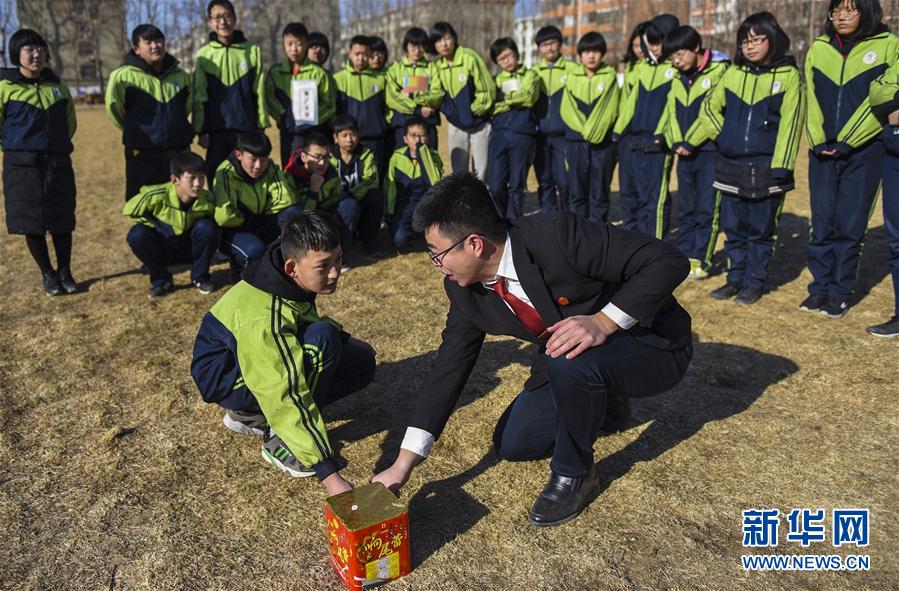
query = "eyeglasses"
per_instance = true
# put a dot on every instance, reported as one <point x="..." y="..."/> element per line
<point x="34" y="50"/>
<point x="417" y="136"/>
<point x="316" y="157"/>
<point x="437" y="257"/>
<point x="222" y="18"/>
<point x="838" y="12"/>
<point x="754" y="41"/>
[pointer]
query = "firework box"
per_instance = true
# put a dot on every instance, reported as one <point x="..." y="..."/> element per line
<point x="368" y="535"/>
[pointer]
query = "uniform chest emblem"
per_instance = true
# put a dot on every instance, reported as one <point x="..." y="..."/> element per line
<point x="707" y="84"/>
<point x="669" y="73"/>
<point x="870" y="58"/>
<point x="57" y="93"/>
<point x="244" y="67"/>
<point x="775" y="88"/>
<point x="463" y="77"/>
<point x="563" y="79"/>
<point x="600" y="86"/>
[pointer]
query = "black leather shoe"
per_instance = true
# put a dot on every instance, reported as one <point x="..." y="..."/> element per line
<point x="564" y="498"/>
<point x="726" y="291"/>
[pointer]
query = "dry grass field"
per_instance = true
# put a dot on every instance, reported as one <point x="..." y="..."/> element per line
<point x="116" y="476"/>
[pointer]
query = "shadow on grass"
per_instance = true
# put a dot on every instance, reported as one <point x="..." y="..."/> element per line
<point x="723" y="381"/>
<point x="875" y="263"/>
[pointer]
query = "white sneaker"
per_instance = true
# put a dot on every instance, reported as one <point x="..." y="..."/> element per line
<point x="276" y="453"/>
<point x="245" y="423"/>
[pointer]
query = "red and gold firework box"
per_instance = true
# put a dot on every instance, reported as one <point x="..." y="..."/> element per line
<point x="368" y="535"/>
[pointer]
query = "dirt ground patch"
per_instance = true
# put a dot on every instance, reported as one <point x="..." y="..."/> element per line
<point x="117" y="476"/>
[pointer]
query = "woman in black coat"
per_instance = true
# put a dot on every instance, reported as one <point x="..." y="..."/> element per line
<point x="37" y="121"/>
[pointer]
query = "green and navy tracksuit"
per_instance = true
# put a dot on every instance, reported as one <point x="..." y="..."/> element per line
<point x="362" y="202"/>
<point x="698" y="201"/>
<point x="37" y="122"/>
<point x="264" y="348"/>
<point x="589" y="109"/>
<point x="278" y="100"/>
<point x="843" y="187"/>
<point x="362" y="95"/>
<point x="513" y="138"/>
<point x="251" y="211"/>
<point x="549" y="161"/>
<point x="408" y="177"/>
<point x="151" y="107"/>
<point x="884" y="99"/>
<point x="401" y="107"/>
<point x="229" y="94"/>
<point x="755" y="115"/>
<point x="167" y="232"/>
<point x="468" y="89"/>
<point x="644" y="161"/>
<point x="328" y="195"/>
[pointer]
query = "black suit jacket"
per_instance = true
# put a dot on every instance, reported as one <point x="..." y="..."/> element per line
<point x="567" y="266"/>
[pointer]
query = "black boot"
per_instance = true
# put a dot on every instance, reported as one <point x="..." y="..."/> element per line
<point x="52" y="286"/>
<point x="69" y="285"/>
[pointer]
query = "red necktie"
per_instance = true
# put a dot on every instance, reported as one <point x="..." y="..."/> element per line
<point x="528" y="316"/>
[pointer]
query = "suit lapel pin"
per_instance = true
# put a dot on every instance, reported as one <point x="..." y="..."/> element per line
<point x="562" y="301"/>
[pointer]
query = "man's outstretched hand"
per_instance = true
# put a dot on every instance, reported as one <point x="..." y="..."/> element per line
<point x="398" y="474"/>
<point x="576" y="334"/>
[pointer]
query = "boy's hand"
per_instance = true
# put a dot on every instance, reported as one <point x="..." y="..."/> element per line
<point x="682" y="151"/>
<point x="398" y="474"/>
<point x="428" y="111"/>
<point x="336" y="484"/>
<point x="203" y="140"/>
<point x="893" y="118"/>
<point x="315" y="182"/>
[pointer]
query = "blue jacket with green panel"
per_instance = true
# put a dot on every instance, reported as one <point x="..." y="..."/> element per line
<point x="411" y="176"/>
<point x="884" y="97"/>
<point x="151" y="107"/>
<point x="239" y="196"/>
<point x="839" y="74"/>
<point x="158" y="207"/>
<point x="35" y="115"/>
<point x="516" y="94"/>
<point x="278" y="93"/>
<point x="590" y="104"/>
<point x="549" y="104"/>
<point x="644" y="102"/>
<point x="229" y="86"/>
<point x="400" y="106"/>
<point x="361" y="94"/>
<point x="468" y="89"/>
<point x="688" y="90"/>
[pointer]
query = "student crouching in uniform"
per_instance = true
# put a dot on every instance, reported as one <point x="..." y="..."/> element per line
<point x="361" y="199"/>
<point x="37" y="122"/>
<point x="253" y="200"/>
<point x="149" y="98"/>
<point x="360" y="94"/>
<point x="265" y="355"/>
<point x="468" y="96"/>
<point x="698" y="201"/>
<point x="298" y="81"/>
<point x="589" y="108"/>
<point x="229" y="86"/>
<point x="412" y="89"/>
<point x="755" y="115"/>
<point x="549" y="161"/>
<point x="413" y="169"/>
<point x="513" y="129"/>
<point x="884" y="97"/>
<point x="174" y="224"/>
<point x="845" y="147"/>
<point x="644" y="161"/>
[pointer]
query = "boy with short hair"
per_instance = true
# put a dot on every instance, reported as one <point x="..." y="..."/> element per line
<point x="299" y="94"/>
<point x="361" y="94"/>
<point x="359" y="182"/>
<point x="173" y="224"/>
<point x="698" y="201"/>
<point x="413" y="169"/>
<point x="377" y="57"/>
<point x="149" y="99"/>
<point x="513" y="136"/>
<point x="589" y="107"/>
<point x="319" y="49"/>
<point x="265" y="355"/>
<point x="549" y="161"/>
<point x="229" y="86"/>
<point x="253" y="200"/>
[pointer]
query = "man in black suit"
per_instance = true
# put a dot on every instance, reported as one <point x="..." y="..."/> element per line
<point x="598" y="301"/>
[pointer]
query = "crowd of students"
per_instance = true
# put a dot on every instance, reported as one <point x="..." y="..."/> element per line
<point x="361" y="142"/>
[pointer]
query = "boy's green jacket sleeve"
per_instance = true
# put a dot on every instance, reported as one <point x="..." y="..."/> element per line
<point x="227" y="215"/>
<point x="115" y="99"/>
<point x="526" y="96"/>
<point x="259" y="84"/>
<point x="601" y="90"/>
<point x="273" y="106"/>
<point x="792" y="119"/>
<point x="884" y="93"/>
<point x="271" y="360"/>
<point x="200" y="96"/>
<point x="627" y="103"/>
<point x="70" y="111"/>
<point x="390" y="186"/>
<point x="370" y="178"/>
<point x="484" y="87"/>
<point x="394" y="97"/>
<point x="711" y="117"/>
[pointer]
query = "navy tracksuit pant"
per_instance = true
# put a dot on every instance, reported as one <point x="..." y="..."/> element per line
<point x="157" y="248"/>
<point x="248" y="242"/>
<point x="551" y="169"/>
<point x="698" y="205"/>
<point x="843" y="192"/>
<point x="510" y="156"/>
<point x="590" y="169"/>
<point x="643" y="179"/>
<point x="343" y="368"/>
<point x="891" y="218"/>
<point x="750" y="226"/>
<point x="562" y="416"/>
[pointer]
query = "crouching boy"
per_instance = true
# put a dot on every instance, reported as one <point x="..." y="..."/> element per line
<point x="265" y="355"/>
<point x="174" y="225"/>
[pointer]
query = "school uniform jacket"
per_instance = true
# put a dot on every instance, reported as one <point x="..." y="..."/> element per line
<point x="361" y="95"/>
<point x="688" y="90"/>
<point x="239" y="196"/>
<point x="151" y="108"/>
<point x="590" y="104"/>
<point x="278" y="99"/>
<point x="401" y="107"/>
<point x="359" y="175"/>
<point x="549" y="103"/>
<point x="567" y="266"/>
<point x="468" y="89"/>
<point x="644" y="102"/>
<point x="884" y="97"/>
<point x="838" y="76"/>
<point x="158" y="207"/>
<point x="406" y="175"/>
